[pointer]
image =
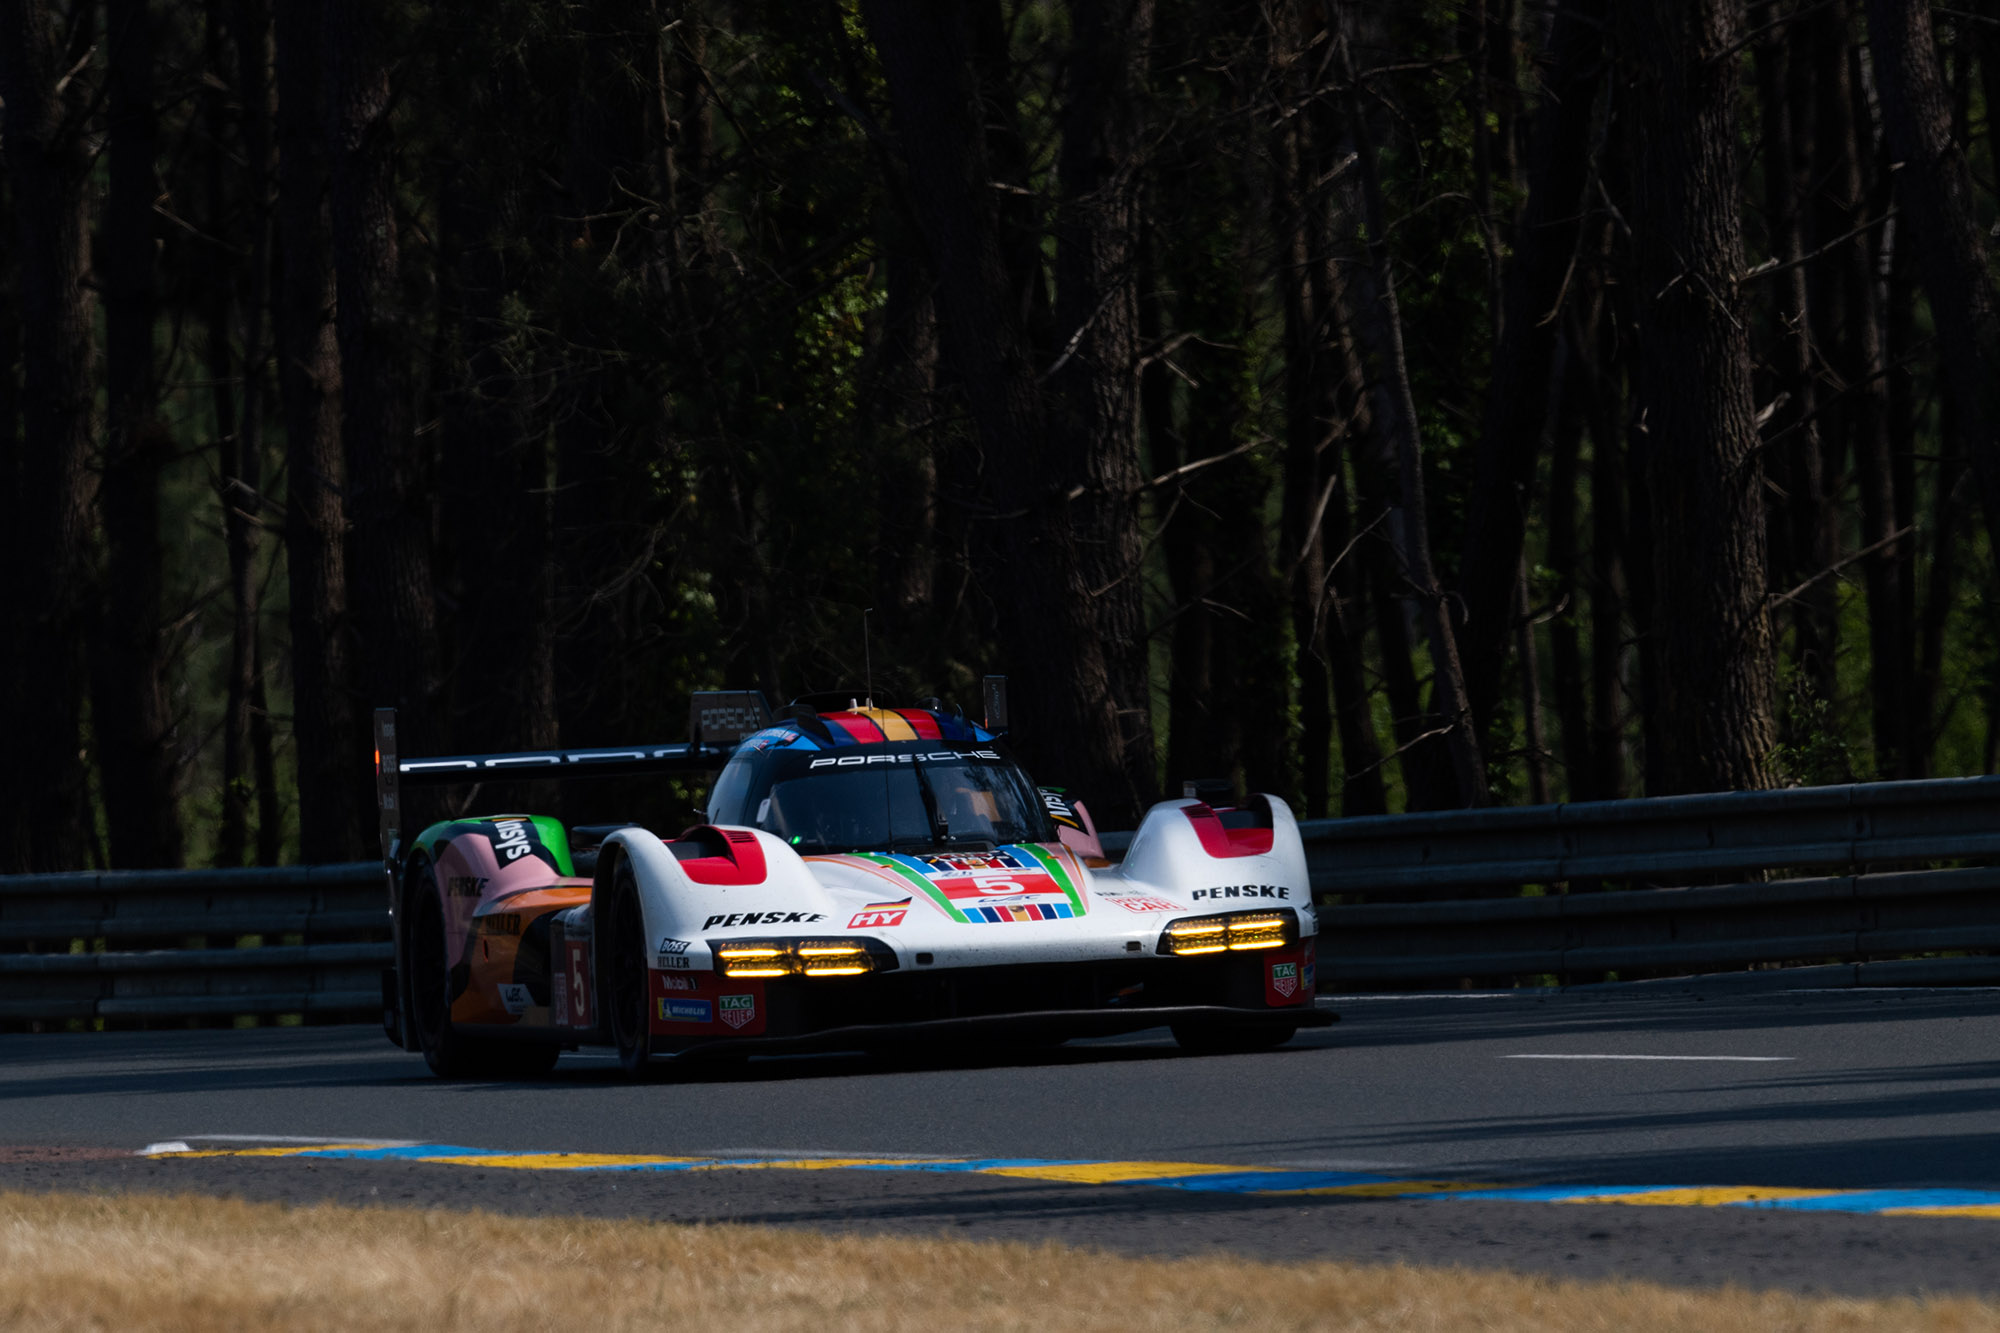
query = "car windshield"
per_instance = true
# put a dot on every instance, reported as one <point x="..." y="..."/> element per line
<point x="901" y="798"/>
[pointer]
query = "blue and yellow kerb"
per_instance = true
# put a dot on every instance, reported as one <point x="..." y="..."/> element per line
<point x="1203" y="1177"/>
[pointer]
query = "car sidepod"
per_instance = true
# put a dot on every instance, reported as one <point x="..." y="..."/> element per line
<point x="499" y="882"/>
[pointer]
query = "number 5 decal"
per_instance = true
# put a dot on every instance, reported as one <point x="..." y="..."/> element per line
<point x="579" y="984"/>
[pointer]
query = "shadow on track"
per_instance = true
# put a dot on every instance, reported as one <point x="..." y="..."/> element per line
<point x="137" y="1064"/>
<point x="1421" y="1020"/>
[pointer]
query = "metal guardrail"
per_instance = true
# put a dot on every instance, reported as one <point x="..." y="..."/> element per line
<point x="1658" y="839"/>
<point x="1410" y="900"/>
<point x="1404" y="910"/>
<point x="1857" y="919"/>
<point x="171" y="944"/>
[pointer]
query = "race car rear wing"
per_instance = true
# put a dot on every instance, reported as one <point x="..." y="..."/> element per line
<point x="718" y="720"/>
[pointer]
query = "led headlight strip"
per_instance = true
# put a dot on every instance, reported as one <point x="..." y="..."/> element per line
<point x="802" y="958"/>
<point x="1229" y="932"/>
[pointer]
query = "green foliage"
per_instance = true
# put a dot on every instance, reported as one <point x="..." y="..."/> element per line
<point x="669" y="247"/>
<point x="1813" y="752"/>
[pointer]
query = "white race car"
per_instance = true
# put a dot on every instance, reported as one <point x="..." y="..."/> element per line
<point x="867" y="877"/>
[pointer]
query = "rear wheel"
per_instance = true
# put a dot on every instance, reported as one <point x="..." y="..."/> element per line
<point x="449" y="1052"/>
<point x="621" y="936"/>
<point x="1230" y="1039"/>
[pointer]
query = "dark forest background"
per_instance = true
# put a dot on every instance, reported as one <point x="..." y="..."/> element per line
<point x="1390" y="405"/>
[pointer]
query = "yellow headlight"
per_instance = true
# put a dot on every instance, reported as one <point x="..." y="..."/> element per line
<point x="1201" y="935"/>
<point x="832" y="958"/>
<point x="1228" y="932"/>
<point x="755" y="958"/>
<point x="783" y="958"/>
<point x="1258" y="930"/>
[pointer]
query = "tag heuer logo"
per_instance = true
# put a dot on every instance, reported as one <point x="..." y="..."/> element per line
<point x="736" y="1010"/>
<point x="1284" y="977"/>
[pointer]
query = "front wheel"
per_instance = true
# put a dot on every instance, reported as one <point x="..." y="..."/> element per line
<point x="621" y="928"/>
<point x="1231" y="1039"/>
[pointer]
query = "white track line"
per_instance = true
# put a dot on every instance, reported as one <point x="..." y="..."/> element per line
<point x="186" y="1142"/>
<point x="1743" y="1059"/>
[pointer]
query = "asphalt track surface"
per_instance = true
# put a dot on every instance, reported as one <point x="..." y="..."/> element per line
<point x="1742" y="1097"/>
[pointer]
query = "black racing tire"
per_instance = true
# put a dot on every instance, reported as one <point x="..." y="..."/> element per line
<point x="623" y="992"/>
<point x="450" y="1053"/>
<point x="1232" y="1039"/>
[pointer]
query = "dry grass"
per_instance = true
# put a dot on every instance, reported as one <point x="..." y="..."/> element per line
<point x="147" y="1262"/>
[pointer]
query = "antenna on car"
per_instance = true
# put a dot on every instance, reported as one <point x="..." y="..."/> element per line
<point x="867" y="659"/>
<point x="996" y="703"/>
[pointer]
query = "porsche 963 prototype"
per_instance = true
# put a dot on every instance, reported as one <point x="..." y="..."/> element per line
<point x="866" y="877"/>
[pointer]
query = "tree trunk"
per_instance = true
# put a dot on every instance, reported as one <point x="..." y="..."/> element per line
<point x="236" y="467"/>
<point x="1396" y="416"/>
<point x="138" y="759"/>
<point x="1517" y="401"/>
<point x="45" y="802"/>
<point x="905" y="390"/>
<point x="1093" y="401"/>
<point x="14" y="642"/>
<point x="1940" y="595"/>
<point x="1309" y="422"/>
<point x="389" y="555"/>
<point x="253" y="64"/>
<point x="1935" y="189"/>
<point x="1565" y="640"/>
<point x="1610" y="534"/>
<point x="1534" y="737"/>
<point x="1070" y="643"/>
<point x="1227" y="677"/>
<point x="1324" y="400"/>
<point x="1801" y="538"/>
<point x="1848" y="323"/>
<point x="1705" y="484"/>
<point x="606" y="528"/>
<point x="494" y="492"/>
<point x="329" y="728"/>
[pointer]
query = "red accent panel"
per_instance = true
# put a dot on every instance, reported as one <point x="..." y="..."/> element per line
<point x="742" y="863"/>
<point x="1226" y="842"/>
<point x="922" y="723"/>
<point x="857" y="726"/>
